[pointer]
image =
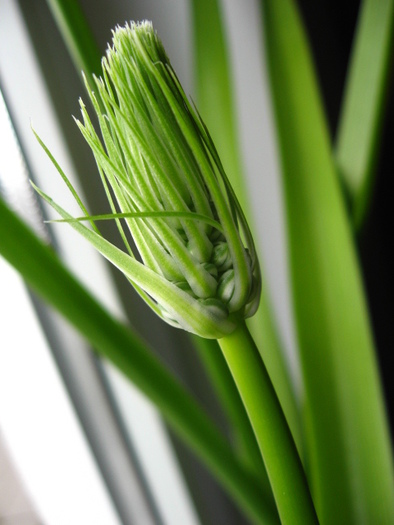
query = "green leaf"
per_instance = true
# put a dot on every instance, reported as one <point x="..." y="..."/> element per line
<point x="77" y="35"/>
<point x="216" y="103"/>
<point x="65" y="179"/>
<point x="145" y="215"/>
<point x="214" y="87"/>
<point x="51" y="280"/>
<point x="350" y="464"/>
<point x="362" y="113"/>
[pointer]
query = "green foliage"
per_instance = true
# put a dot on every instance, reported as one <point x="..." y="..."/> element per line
<point x="346" y="432"/>
<point x="217" y="104"/>
<point x="49" y="278"/>
<point x="199" y="270"/>
<point x="362" y="116"/>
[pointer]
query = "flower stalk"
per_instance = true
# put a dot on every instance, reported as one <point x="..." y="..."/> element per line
<point x="282" y="462"/>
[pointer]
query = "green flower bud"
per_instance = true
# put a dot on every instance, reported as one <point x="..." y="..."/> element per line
<point x="163" y="176"/>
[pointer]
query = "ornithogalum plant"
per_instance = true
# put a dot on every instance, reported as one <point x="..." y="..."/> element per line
<point x="198" y="268"/>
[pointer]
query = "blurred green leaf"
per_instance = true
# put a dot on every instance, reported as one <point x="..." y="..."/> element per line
<point x="47" y="276"/>
<point x="214" y="88"/>
<point x="216" y="103"/>
<point x="362" y="114"/>
<point x="77" y="36"/>
<point x="350" y="466"/>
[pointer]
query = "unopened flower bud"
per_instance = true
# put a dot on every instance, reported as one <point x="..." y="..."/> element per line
<point x="199" y="268"/>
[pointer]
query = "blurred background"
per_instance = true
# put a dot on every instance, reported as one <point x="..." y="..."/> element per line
<point x="77" y="443"/>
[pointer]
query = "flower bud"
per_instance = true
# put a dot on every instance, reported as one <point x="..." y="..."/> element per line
<point x="163" y="176"/>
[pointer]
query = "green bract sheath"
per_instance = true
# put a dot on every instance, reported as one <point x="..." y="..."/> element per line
<point x="163" y="177"/>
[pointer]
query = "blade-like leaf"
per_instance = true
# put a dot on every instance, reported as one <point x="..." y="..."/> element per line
<point x="362" y="114"/>
<point x="77" y="35"/>
<point x="51" y="280"/>
<point x="347" y="438"/>
<point x="145" y="215"/>
<point x="65" y="179"/>
<point x="216" y="103"/>
<point x="213" y="80"/>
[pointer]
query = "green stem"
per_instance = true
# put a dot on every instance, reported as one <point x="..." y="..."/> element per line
<point x="263" y="328"/>
<point x="231" y="402"/>
<point x="50" y="279"/>
<point x="276" y="444"/>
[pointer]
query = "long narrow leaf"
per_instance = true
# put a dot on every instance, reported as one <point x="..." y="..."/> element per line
<point x="214" y="83"/>
<point x="362" y="115"/>
<point x="349" y="453"/>
<point x="77" y="36"/>
<point x="216" y="104"/>
<point x="144" y="215"/>
<point x="50" y="279"/>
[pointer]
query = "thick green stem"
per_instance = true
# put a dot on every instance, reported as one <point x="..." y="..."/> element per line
<point x="226" y="390"/>
<point x="276" y="444"/>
